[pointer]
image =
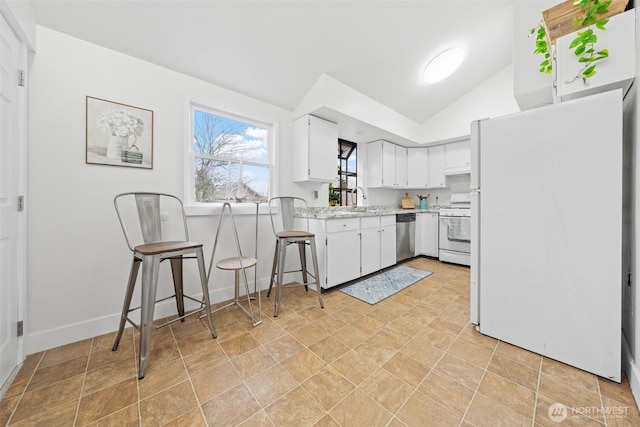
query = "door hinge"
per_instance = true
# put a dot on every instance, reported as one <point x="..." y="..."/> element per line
<point x="21" y="78"/>
<point x="20" y="328"/>
<point x="20" y="203"/>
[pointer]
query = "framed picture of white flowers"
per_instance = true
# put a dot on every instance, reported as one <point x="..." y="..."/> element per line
<point x="119" y="134"/>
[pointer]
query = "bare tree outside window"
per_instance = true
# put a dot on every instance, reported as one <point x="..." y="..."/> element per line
<point x="230" y="159"/>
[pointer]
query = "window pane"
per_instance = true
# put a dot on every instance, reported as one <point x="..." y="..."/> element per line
<point x="210" y="180"/>
<point x="256" y="182"/>
<point x="224" y="146"/>
<point x="222" y="137"/>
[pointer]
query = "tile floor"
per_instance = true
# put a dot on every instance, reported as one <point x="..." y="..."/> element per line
<point x="411" y="360"/>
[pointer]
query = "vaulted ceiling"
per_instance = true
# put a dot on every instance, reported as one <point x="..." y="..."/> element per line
<point x="276" y="50"/>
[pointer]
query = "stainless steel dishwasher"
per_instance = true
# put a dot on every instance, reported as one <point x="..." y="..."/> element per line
<point x="405" y="236"/>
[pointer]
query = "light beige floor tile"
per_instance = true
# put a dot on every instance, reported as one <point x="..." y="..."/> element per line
<point x="253" y="362"/>
<point x="329" y="349"/>
<point x="515" y="372"/>
<point x="239" y="344"/>
<point x="296" y="409"/>
<point x="283" y="347"/>
<point x="128" y="416"/>
<point x="407" y="369"/>
<point x="107" y="401"/>
<point x="309" y="334"/>
<point x="54" y="373"/>
<point x="358" y="409"/>
<point x="350" y="336"/>
<point x="459" y="370"/>
<point x="420" y="410"/>
<point x="486" y="412"/>
<point x="61" y="415"/>
<point x="511" y="395"/>
<point x="387" y="389"/>
<point x="271" y="384"/>
<point x="303" y="365"/>
<point x="412" y="359"/>
<point x="355" y="366"/>
<point x="474" y="354"/>
<point x="169" y="404"/>
<point x="215" y="381"/>
<point x="328" y="387"/>
<point x="449" y="393"/>
<point x="47" y="398"/>
<point x="231" y="407"/>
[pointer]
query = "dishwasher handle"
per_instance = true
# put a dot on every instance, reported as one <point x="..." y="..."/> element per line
<point x="406" y="217"/>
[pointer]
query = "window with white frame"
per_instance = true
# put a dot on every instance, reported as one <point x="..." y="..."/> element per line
<point x="229" y="157"/>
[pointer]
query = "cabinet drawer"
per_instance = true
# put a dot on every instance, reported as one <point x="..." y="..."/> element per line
<point x="387" y="220"/>
<point x="370" y="222"/>
<point x="337" y="225"/>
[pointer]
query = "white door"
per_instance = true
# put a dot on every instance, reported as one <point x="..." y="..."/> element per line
<point x="11" y="58"/>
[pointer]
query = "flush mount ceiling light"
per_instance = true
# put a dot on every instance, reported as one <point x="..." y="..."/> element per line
<point x="443" y="65"/>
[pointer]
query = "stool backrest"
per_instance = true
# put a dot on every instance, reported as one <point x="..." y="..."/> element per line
<point x="151" y="217"/>
<point x="282" y="211"/>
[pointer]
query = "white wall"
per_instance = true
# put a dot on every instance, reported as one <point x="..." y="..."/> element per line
<point x="78" y="260"/>
<point x="493" y="98"/>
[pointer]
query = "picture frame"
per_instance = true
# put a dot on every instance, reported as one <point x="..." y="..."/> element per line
<point x="118" y="134"/>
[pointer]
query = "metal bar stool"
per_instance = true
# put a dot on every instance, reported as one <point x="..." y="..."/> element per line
<point x="239" y="264"/>
<point x="155" y="228"/>
<point x="287" y="234"/>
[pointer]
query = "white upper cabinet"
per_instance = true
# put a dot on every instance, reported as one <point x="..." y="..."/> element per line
<point x="616" y="71"/>
<point x="315" y="149"/>
<point x="417" y="167"/>
<point x="437" y="178"/>
<point x="386" y="165"/>
<point x="401" y="167"/>
<point x="457" y="158"/>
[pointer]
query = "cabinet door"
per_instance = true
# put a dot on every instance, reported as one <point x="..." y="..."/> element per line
<point x="388" y="164"/>
<point x="436" y="167"/>
<point x="369" y="250"/>
<point x="457" y="157"/>
<point x="417" y="168"/>
<point x="314" y="149"/>
<point x="374" y="164"/>
<point x="427" y="233"/>
<point x="323" y="146"/>
<point x="343" y="257"/>
<point x="400" y="167"/>
<point x="387" y="246"/>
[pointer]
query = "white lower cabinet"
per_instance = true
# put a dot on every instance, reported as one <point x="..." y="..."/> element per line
<point x="349" y="248"/>
<point x="427" y="234"/>
<point x="387" y="241"/>
<point x="369" y="245"/>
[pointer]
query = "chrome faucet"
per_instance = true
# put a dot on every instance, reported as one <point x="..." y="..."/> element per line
<point x="364" y="195"/>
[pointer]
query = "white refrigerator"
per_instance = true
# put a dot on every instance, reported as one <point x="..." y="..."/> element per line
<point x="547" y="224"/>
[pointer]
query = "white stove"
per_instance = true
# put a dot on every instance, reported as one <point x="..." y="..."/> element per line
<point x="460" y="206"/>
<point x="455" y="212"/>
<point x="455" y="230"/>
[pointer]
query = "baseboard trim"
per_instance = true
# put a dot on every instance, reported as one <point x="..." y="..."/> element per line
<point x="51" y="338"/>
<point x="631" y="370"/>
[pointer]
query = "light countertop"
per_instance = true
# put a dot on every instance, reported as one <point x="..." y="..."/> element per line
<point x="359" y="211"/>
